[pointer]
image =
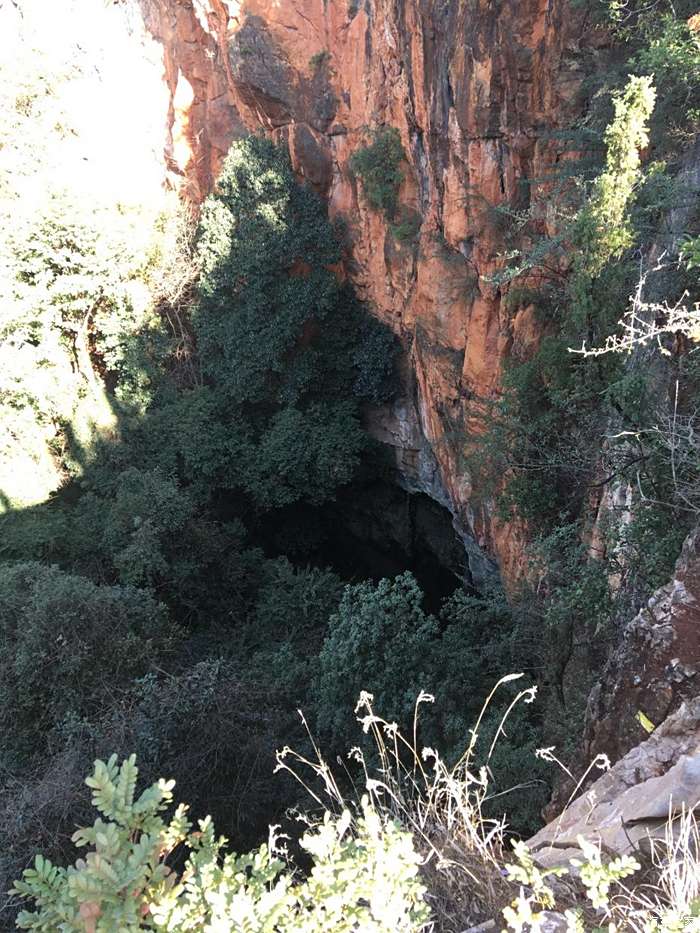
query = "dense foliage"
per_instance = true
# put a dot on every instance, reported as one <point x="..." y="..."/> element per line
<point x="67" y="645"/>
<point x="378" y="166"/>
<point x="147" y="605"/>
<point x="363" y="875"/>
<point x="176" y="417"/>
<point x="144" y="868"/>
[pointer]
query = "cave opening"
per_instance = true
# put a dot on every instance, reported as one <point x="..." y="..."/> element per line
<point x="374" y="529"/>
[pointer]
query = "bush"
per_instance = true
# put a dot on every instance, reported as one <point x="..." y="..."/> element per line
<point x="319" y="60"/>
<point x="279" y="337"/>
<point x="407" y="226"/>
<point x="374" y="357"/>
<point x="669" y="904"/>
<point x="380" y="640"/>
<point x="305" y="455"/>
<point x="68" y="645"/>
<point x="364" y="873"/>
<point x="377" y="165"/>
<point x="284" y="636"/>
<point x="148" y="511"/>
<point x="79" y="278"/>
<point x="264" y="246"/>
<point x="671" y="53"/>
<point x="417" y="834"/>
<point x="209" y="725"/>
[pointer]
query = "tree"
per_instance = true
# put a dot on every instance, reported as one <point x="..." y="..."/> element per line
<point x="287" y="350"/>
<point x="265" y="247"/>
<point x="305" y="455"/>
<point x="380" y="641"/>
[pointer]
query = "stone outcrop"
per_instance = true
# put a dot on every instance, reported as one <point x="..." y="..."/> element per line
<point x="651" y="669"/>
<point x="475" y="89"/>
<point x="630" y="804"/>
<point x="655" y="665"/>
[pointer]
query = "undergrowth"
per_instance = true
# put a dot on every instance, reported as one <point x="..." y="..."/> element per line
<point x="407" y="848"/>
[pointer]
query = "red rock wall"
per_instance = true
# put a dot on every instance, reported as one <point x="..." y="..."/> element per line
<point x="475" y="88"/>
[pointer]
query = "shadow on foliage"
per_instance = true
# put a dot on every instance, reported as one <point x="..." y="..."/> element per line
<point x="145" y="607"/>
<point x="138" y="611"/>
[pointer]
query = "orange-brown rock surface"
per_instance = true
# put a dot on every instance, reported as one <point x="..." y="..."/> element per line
<point x="475" y="88"/>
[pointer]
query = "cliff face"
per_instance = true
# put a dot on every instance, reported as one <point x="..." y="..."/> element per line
<point x="655" y="665"/>
<point x="475" y="88"/>
<point x="628" y="806"/>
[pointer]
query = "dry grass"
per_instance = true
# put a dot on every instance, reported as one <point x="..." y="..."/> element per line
<point x="442" y="806"/>
<point x="465" y="853"/>
<point x="669" y="897"/>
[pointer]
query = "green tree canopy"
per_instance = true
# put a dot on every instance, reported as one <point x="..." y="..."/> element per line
<point x="284" y="345"/>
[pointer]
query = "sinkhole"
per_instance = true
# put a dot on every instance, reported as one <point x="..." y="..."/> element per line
<point x="375" y="529"/>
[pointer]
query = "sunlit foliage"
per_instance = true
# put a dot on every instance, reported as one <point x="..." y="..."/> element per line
<point x="78" y="268"/>
<point x="364" y="872"/>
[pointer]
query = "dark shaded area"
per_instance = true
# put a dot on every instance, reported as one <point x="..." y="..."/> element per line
<point x="374" y="529"/>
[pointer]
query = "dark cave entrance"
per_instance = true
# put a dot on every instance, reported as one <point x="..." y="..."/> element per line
<point x="375" y="529"/>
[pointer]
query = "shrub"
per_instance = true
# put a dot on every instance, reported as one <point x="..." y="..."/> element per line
<point x="214" y="728"/>
<point x="148" y="511"/>
<point x="287" y="629"/>
<point x="441" y="805"/>
<point x="80" y="278"/>
<point x="544" y="434"/>
<point x="67" y="646"/>
<point x="670" y="51"/>
<point x="377" y="165"/>
<point x="319" y="60"/>
<point x="364" y="872"/>
<point x="417" y="834"/>
<point x="211" y="726"/>
<point x="305" y="455"/>
<point x="407" y="226"/>
<point x="669" y="904"/>
<point x="380" y="639"/>
<point x="374" y="356"/>
<point x="603" y="230"/>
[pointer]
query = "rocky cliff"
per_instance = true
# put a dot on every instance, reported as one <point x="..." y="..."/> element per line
<point x="477" y="90"/>
<point x="655" y="666"/>
<point x="629" y="806"/>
